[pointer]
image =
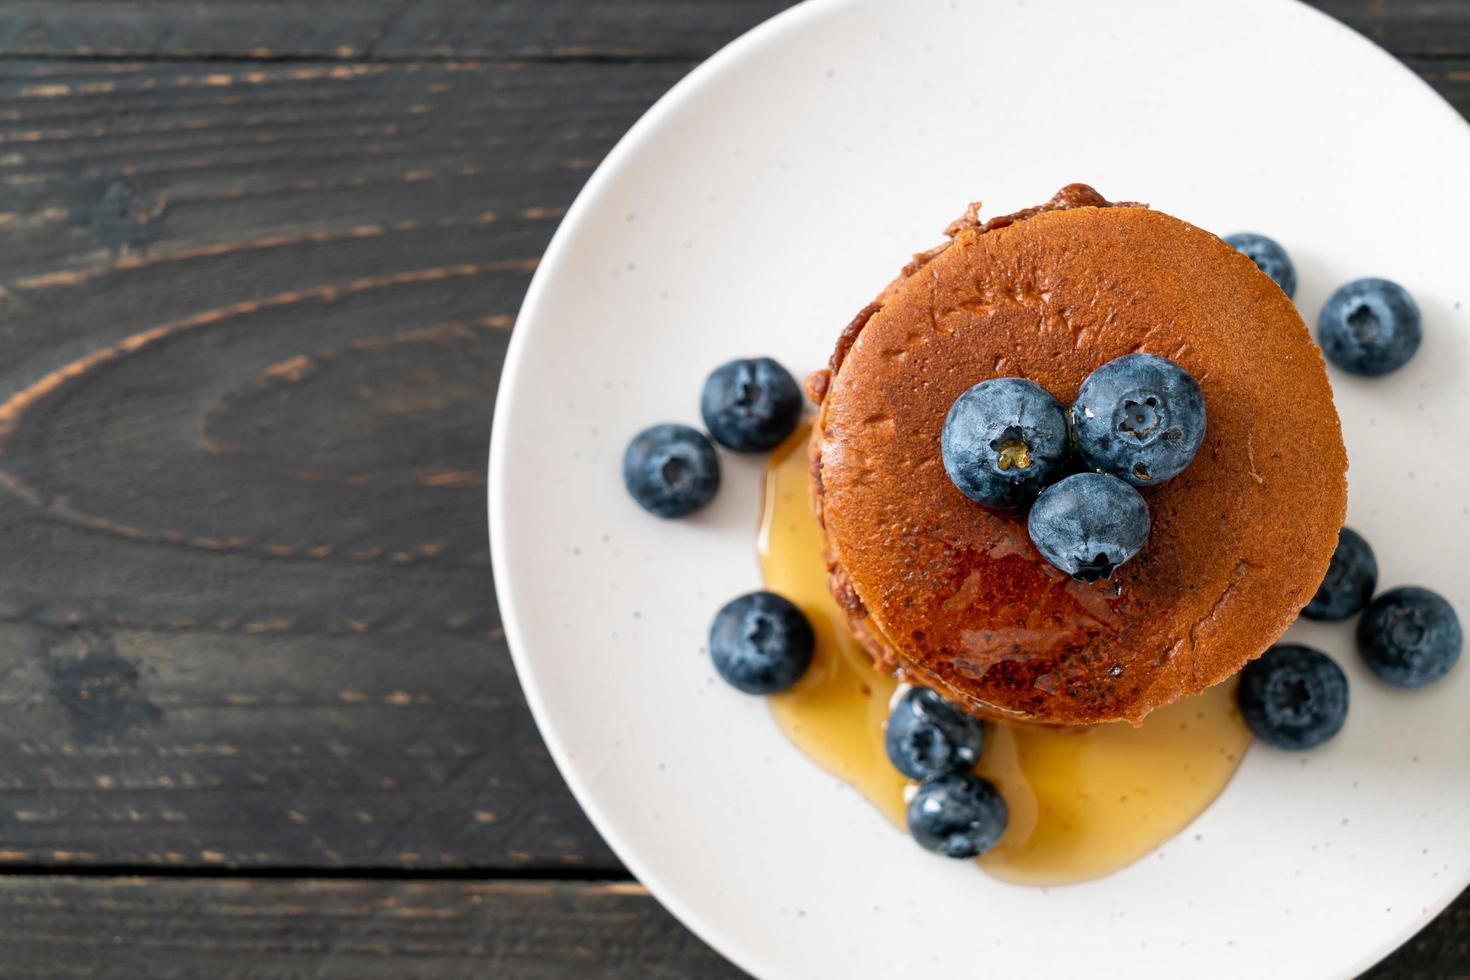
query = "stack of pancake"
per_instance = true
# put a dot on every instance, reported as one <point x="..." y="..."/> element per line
<point x="954" y="595"/>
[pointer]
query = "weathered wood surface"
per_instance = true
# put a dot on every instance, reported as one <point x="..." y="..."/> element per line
<point x="379" y="29"/>
<point x="613" y="32"/>
<point x="188" y="928"/>
<point x="253" y="317"/>
<point x="606" y="29"/>
<point x="259" y="260"/>
<point x="185" y="928"/>
<point x="1408" y="28"/>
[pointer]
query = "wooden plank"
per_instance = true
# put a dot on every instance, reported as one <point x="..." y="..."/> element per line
<point x="209" y="747"/>
<point x="253" y="318"/>
<point x="262" y="161"/>
<point x="166" y="928"/>
<point x="620" y="29"/>
<point x="232" y="634"/>
<point x="378" y="29"/>
<point x="163" y="928"/>
<point x="211" y="651"/>
<point x="1408" y="28"/>
<point x="1450" y="77"/>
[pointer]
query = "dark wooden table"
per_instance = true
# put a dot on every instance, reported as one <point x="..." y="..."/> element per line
<point x="261" y="259"/>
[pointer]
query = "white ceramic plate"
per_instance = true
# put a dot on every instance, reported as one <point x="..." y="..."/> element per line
<point x="754" y="210"/>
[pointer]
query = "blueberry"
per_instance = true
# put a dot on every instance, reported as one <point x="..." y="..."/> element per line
<point x="957" y="815"/>
<point x="1410" y="636"/>
<point x="671" y="470"/>
<point x="1349" y="582"/>
<point x="1140" y="418"/>
<point x="761" y="643"/>
<point x="751" y="405"/>
<point x="1003" y="441"/>
<point x="1089" y="524"/>
<point x="927" y="736"/>
<point x="1269" y="257"/>
<point x="1370" y="327"/>
<point x="1293" y="697"/>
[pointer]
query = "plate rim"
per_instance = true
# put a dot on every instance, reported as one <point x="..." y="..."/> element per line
<point x="704" y="73"/>
<point x="700" y="75"/>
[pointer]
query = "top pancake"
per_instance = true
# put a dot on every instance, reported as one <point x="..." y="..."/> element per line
<point x="955" y="593"/>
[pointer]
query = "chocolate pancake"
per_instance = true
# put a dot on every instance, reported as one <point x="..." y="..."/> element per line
<point x="954" y="594"/>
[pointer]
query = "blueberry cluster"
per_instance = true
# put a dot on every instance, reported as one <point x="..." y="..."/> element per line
<point x="749" y="405"/>
<point x="952" y="812"/>
<point x="761" y="643"/>
<point x="1368" y="327"/>
<point x="1137" y="421"/>
<point x="1296" y="697"/>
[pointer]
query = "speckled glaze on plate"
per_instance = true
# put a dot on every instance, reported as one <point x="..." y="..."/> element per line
<point x="754" y="210"/>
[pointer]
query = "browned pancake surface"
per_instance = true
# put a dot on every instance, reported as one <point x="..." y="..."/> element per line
<point x="955" y="593"/>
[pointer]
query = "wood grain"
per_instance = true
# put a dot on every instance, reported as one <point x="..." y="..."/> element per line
<point x="254" y="316"/>
<point x="259" y="261"/>
<point x="181" y="929"/>
<point x="1408" y="28"/>
<point x="619" y="30"/>
<point x="164" y="928"/>
<point x="379" y="29"/>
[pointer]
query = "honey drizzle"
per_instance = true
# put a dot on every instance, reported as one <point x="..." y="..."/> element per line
<point x="1083" y="802"/>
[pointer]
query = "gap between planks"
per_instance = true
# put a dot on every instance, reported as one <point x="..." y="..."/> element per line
<point x="589" y="876"/>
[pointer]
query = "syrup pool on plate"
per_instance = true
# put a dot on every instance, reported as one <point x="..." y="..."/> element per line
<point x="1083" y="802"/>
